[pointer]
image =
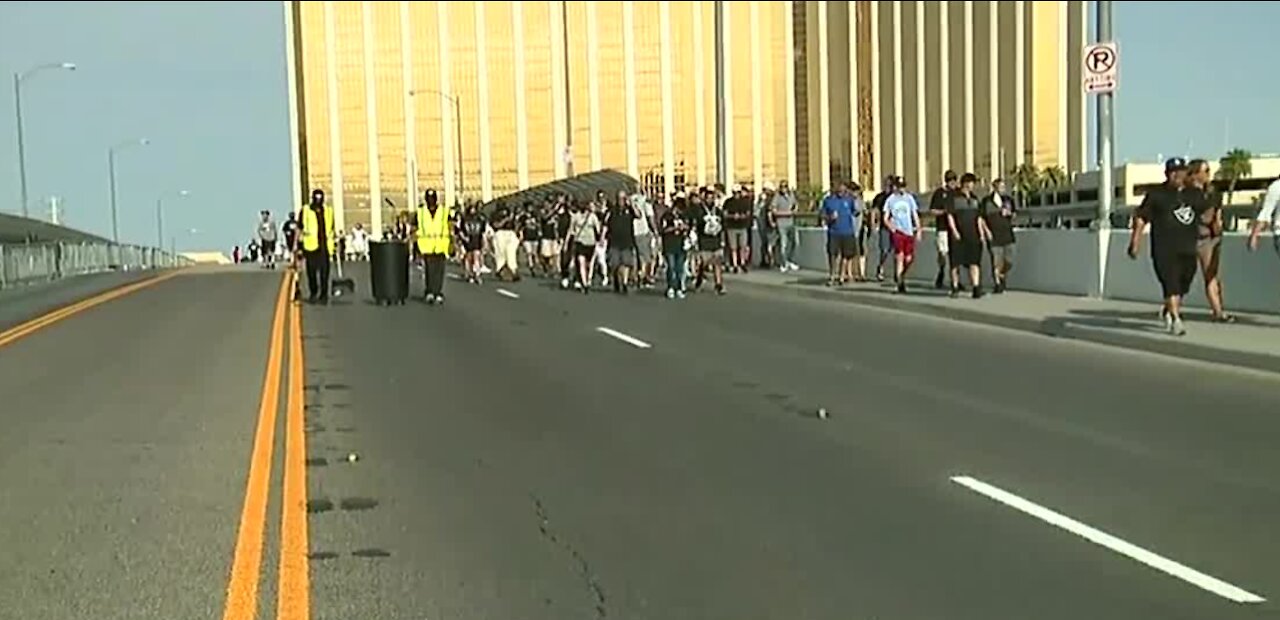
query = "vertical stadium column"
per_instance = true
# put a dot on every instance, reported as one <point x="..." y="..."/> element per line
<point x="522" y="120"/>
<point x="668" y="104"/>
<point x="482" y="82"/>
<point x="967" y="77"/>
<point x="1020" y="81"/>
<point x="993" y="84"/>
<point x="944" y="72"/>
<point x="877" y="143"/>
<point x="559" y="99"/>
<point x="336" y="193"/>
<point x="824" y="96"/>
<point x="855" y="142"/>
<point x="895" y="25"/>
<point x="450" y="127"/>
<point x="371" y="116"/>
<point x="629" y="86"/>
<point x="593" y="87"/>
<point x="757" y="122"/>
<point x="410" y="112"/>
<point x="699" y="92"/>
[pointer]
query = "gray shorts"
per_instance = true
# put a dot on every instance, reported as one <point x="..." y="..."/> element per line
<point x="644" y="248"/>
<point x="738" y="238"/>
<point x="1002" y="254"/>
<point x="621" y="257"/>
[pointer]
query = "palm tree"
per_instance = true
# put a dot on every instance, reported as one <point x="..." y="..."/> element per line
<point x="1055" y="178"/>
<point x="1026" y="180"/>
<point x="1237" y="164"/>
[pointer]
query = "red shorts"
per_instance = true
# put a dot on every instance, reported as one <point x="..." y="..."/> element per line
<point x="903" y="244"/>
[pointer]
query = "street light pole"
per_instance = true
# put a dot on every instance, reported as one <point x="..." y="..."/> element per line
<point x="17" y="107"/>
<point x="457" y="128"/>
<point x="160" y="217"/>
<point x="111" y="172"/>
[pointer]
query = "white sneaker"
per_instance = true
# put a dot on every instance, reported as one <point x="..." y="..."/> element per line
<point x="1168" y="320"/>
<point x="793" y="266"/>
<point x="1176" y="327"/>
<point x="564" y="283"/>
<point x="680" y="295"/>
<point x="671" y="293"/>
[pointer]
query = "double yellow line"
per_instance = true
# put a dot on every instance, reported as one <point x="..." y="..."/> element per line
<point x="294" y="581"/>
<point x="68" y="311"/>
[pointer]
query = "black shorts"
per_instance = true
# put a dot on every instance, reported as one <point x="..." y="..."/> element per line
<point x="1175" y="272"/>
<point x="268" y="247"/>
<point x="473" y="244"/>
<point x="582" y="250"/>
<point x="843" y="246"/>
<point x="965" y="253"/>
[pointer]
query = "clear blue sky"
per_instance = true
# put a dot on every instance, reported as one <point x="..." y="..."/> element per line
<point x="205" y="81"/>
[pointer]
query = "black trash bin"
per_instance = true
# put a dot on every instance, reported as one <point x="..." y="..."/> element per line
<point x="389" y="271"/>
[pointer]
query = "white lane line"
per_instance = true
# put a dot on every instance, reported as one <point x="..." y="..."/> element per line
<point x="1158" y="562"/>
<point x="635" y="342"/>
<point x="508" y="294"/>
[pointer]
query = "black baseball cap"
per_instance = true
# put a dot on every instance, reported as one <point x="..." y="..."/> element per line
<point x="898" y="181"/>
<point x="1174" y="164"/>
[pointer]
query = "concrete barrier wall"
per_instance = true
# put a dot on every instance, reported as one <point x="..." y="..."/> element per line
<point x="1066" y="262"/>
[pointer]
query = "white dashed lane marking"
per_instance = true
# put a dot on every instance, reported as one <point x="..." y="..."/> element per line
<point x="635" y="342"/>
<point x="1132" y="551"/>
<point x="508" y="294"/>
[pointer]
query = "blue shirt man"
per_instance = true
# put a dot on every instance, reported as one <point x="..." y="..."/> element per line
<point x="842" y="213"/>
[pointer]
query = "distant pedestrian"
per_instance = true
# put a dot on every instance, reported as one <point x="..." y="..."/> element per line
<point x="433" y="238"/>
<point x="784" y="216"/>
<point x="938" y="204"/>
<point x="998" y="210"/>
<point x="319" y="243"/>
<point x="267" y="239"/>
<point x="842" y="222"/>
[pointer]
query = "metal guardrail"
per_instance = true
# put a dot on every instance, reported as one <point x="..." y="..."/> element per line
<point x="29" y="263"/>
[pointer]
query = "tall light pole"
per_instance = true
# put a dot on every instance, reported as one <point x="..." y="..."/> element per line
<point x="457" y="129"/>
<point x="111" y="173"/>
<point x="17" y="106"/>
<point x="160" y="216"/>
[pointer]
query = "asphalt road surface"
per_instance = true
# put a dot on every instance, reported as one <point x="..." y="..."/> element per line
<point x="526" y="453"/>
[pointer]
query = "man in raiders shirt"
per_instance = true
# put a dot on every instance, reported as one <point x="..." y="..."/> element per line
<point x="1174" y="214"/>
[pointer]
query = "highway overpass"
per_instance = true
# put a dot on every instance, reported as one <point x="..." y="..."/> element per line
<point x="190" y="445"/>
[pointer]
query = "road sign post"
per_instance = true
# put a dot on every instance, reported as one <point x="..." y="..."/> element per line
<point x="1101" y="64"/>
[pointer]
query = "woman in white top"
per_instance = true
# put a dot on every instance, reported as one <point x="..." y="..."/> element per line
<point x="584" y="235"/>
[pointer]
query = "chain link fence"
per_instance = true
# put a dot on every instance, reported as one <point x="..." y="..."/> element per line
<point x="28" y="263"/>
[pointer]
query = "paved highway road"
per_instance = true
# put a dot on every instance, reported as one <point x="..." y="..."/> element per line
<point x="530" y="453"/>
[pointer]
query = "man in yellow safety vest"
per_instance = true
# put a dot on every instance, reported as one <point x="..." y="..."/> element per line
<point x="319" y="242"/>
<point x="433" y="244"/>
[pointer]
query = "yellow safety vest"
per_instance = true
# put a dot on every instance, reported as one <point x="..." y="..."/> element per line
<point x="311" y="230"/>
<point x="433" y="230"/>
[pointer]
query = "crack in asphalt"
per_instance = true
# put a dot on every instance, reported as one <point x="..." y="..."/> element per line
<point x="584" y="568"/>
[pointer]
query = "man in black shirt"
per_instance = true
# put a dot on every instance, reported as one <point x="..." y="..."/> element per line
<point x="737" y="223"/>
<point x="872" y="225"/>
<point x="1174" y="214"/>
<point x="620" y="234"/>
<point x="938" y="209"/>
<point x="530" y="234"/>
<point x="708" y="221"/>
<point x="673" y="226"/>
<point x="968" y="231"/>
<point x="997" y="210"/>
<point x="474" y="224"/>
